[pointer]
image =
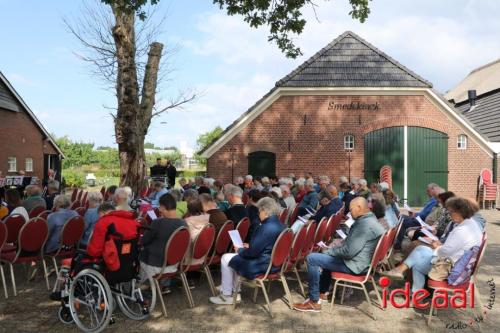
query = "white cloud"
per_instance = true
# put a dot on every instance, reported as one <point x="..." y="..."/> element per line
<point x="19" y="79"/>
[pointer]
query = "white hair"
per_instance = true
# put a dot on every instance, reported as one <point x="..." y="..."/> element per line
<point x="62" y="201"/>
<point x="354" y="180"/>
<point x="284" y="188"/>
<point x="363" y="182"/>
<point x="384" y="186"/>
<point x="277" y="190"/>
<point x="128" y="189"/>
<point x="95" y="198"/>
<point x="248" y="177"/>
<point x="285" y="181"/>
<point x="324" y="179"/>
<point x="121" y="192"/>
<point x="300" y="182"/>
<point x="234" y="191"/>
<point x="269" y="206"/>
<point x="309" y="182"/>
<point x="343" y="179"/>
<point x="265" y="179"/>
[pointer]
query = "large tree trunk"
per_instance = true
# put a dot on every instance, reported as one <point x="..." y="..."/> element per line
<point x="133" y="116"/>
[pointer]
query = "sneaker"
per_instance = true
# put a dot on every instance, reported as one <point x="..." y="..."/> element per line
<point x="224" y="300"/>
<point x="307" y="306"/>
<point x="394" y="274"/>
<point x="323" y="297"/>
<point x="165" y="290"/>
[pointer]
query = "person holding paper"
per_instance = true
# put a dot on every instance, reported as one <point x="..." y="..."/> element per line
<point x="310" y="200"/>
<point x="159" y="190"/>
<point x="352" y="256"/>
<point x="463" y="237"/>
<point x="252" y="259"/>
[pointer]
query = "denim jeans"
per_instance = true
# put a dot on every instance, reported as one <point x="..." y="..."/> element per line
<point x="319" y="267"/>
<point x="408" y="222"/>
<point x="419" y="261"/>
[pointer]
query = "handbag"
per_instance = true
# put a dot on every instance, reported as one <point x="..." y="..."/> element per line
<point x="462" y="270"/>
<point x="440" y="269"/>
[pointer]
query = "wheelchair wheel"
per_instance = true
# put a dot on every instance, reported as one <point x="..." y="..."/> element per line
<point x="64" y="315"/>
<point x="135" y="299"/>
<point x="90" y="301"/>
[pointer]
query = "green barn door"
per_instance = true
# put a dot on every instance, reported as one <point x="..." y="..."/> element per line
<point x="385" y="147"/>
<point x="427" y="162"/>
<point x="262" y="163"/>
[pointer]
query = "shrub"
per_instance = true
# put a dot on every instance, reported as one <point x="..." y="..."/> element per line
<point x="73" y="178"/>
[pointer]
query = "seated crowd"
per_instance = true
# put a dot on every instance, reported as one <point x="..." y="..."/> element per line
<point x="455" y="221"/>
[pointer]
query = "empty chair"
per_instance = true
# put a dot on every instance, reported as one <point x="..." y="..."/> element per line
<point x="36" y="211"/>
<point x="71" y="234"/>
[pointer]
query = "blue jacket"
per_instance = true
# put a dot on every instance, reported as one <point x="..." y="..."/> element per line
<point x="91" y="217"/>
<point x="56" y="222"/>
<point x="328" y="210"/>
<point x="310" y="201"/>
<point x="254" y="261"/>
<point x="155" y="197"/>
<point x="427" y="208"/>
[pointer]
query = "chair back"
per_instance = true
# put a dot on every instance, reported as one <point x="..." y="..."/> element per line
<point x="243" y="227"/>
<point x="378" y="254"/>
<point x="103" y="191"/>
<point x="72" y="231"/>
<point x="223" y="240"/>
<point x="480" y="255"/>
<point x="79" y="196"/>
<point x="334" y="223"/>
<point x="386" y="175"/>
<point x="84" y="198"/>
<point x="311" y="232"/>
<point x="3" y="235"/>
<point x="45" y="214"/>
<point x="177" y="246"/>
<point x="75" y="204"/>
<point x="486" y="177"/>
<point x="392" y="236"/>
<point x="203" y="242"/>
<point x="320" y="230"/>
<point x="281" y="249"/>
<point x="80" y="211"/>
<point x="294" y="214"/>
<point x="14" y="223"/>
<point x="298" y="244"/>
<point x="283" y="216"/>
<point x="36" y="211"/>
<point x="74" y="194"/>
<point x="33" y="235"/>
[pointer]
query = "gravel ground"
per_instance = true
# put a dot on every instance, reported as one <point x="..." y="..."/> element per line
<point x="32" y="311"/>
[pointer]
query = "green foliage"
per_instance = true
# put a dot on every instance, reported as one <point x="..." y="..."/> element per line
<point x="283" y="17"/>
<point x="174" y="157"/>
<point x="131" y="6"/>
<point x="72" y="177"/>
<point x="77" y="153"/>
<point x="204" y="140"/>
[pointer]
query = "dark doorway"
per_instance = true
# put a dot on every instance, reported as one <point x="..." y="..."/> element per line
<point x="262" y="163"/>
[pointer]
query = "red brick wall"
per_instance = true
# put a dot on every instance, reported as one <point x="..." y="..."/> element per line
<point x="21" y="138"/>
<point x="318" y="146"/>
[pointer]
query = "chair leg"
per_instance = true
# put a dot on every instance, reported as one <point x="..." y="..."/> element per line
<point x="235" y="292"/>
<point x="210" y="280"/>
<point x="377" y="292"/>
<point x="343" y="293"/>
<point x="301" y="286"/>
<point x="369" y="302"/>
<point x="158" y="289"/>
<point x="267" y="299"/>
<point x="54" y="262"/>
<point x="287" y="291"/>
<point x="255" y="293"/>
<point x="431" y="312"/>
<point x="4" y="284"/>
<point x="333" y="295"/>
<point x="186" y="289"/>
<point x="45" y="274"/>
<point x="13" y="279"/>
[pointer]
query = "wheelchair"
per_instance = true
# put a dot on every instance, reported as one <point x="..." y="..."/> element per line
<point x="89" y="291"/>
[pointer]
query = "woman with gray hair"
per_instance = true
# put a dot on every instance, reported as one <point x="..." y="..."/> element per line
<point x="91" y="215"/>
<point x="252" y="259"/>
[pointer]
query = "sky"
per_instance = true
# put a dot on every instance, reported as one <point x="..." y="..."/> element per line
<point x="224" y="60"/>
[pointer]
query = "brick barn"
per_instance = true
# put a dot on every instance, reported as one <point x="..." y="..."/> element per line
<point x="25" y="145"/>
<point x="349" y="110"/>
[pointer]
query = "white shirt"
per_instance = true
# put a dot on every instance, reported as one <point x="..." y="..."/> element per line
<point x="21" y="211"/>
<point x="463" y="237"/>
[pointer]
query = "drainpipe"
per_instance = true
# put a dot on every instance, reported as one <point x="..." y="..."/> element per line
<point x="495" y="167"/>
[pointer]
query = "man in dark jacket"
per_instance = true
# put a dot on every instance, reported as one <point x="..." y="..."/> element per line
<point x="171" y="174"/>
<point x="252" y="259"/>
<point x="154" y="240"/>
<point x="217" y="216"/>
<point x="351" y="256"/>
<point x="237" y="211"/>
<point x="309" y="204"/>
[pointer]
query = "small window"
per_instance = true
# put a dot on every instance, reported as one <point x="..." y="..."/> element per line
<point x="462" y="141"/>
<point x="349" y="142"/>
<point x="12" y="164"/>
<point x="29" y="165"/>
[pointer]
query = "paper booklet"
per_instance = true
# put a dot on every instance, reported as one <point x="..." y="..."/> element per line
<point x="311" y="211"/>
<point x="349" y="220"/>
<point x="423" y="224"/>
<point x="302" y="219"/>
<point x="236" y="238"/>
<point x="425" y="240"/>
<point x="341" y="233"/>
<point x="152" y="215"/>
<point x="408" y="208"/>
<point x="428" y="234"/>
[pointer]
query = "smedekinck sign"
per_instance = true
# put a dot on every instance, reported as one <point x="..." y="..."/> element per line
<point x="353" y="106"/>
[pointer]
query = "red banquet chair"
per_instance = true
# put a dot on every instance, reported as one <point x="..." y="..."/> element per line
<point x="359" y="281"/>
<point x="298" y="244"/>
<point x="71" y="234"/>
<point x="32" y="238"/>
<point x="200" y="249"/>
<point x="385" y="175"/>
<point x="387" y="261"/>
<point x="283" y="216"/>
<point x="333" y="225"/>
<point x="13" y="223"/>
<point x="3" y="241"/>
<point x="488" y="190"/>
<point x="75" y="205"/>
<point x="81" y="211"/>
<point x="243" y="226"/>
<point x="320" y="233"/>
<point x="45" y="214"/>
<point x="175" y="251"/>
<point x="220" y="247"/>
<point x="466" y="286"/>
<point x="36" y="211"/>
<point x="294" y="215"/>
<point x="103" y="191"/>
<point x="74" y="194"/>
<point x="279" y="256"/>
<point x="79" y="196"/>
